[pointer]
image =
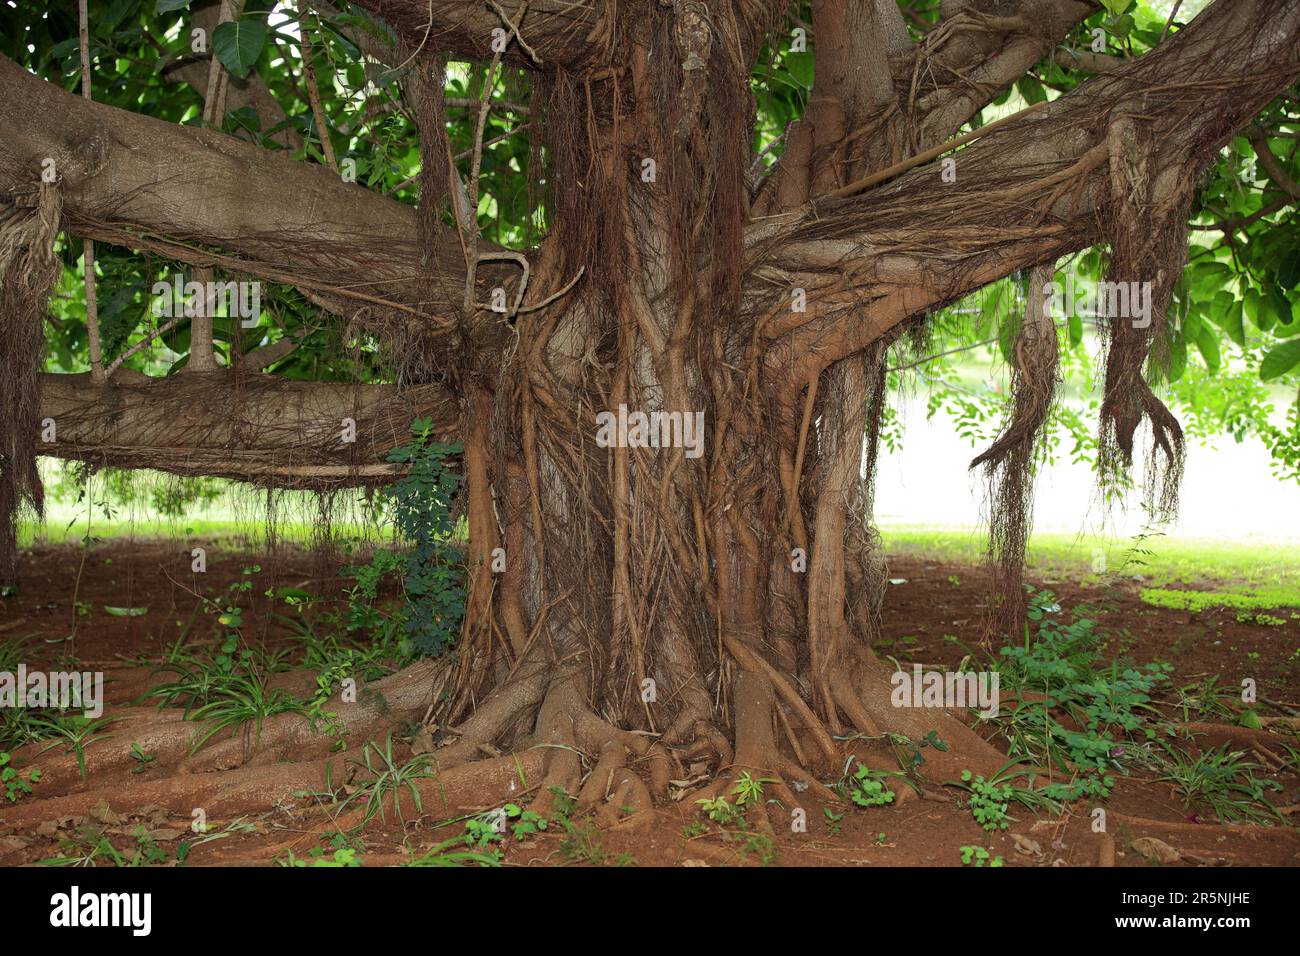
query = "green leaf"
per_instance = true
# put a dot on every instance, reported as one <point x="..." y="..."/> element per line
<point x="1276" y="304"/>
<point x="126" y="611"/>
<point x="1076" y="329"/>
<point x="1177" y="358"/>
<point x="1194" y="322"/>
<point x="1233" y="325"/>
<point x="1031" y="89"/>
<point x="1281" y="360"/>
<point x="1220" y="312"/>
<point x="1208" y="343"/>
<point x="1288" y="272"/>
<point x="1209" y="277"/>
<point x="64" y="48"/>
<point x="1260" y="317"/>
<point x="118" y="10"/>
<point x="167" y="6"/>
<point x="238" y="44"/>
<point x="801" y="66"/>
<point x="1008" y="332"/>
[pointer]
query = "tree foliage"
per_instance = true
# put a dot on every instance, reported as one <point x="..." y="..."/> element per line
<point x="1234" y="366"/>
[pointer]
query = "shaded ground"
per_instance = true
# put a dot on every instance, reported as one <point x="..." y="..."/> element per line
<point x="933" y="610"/>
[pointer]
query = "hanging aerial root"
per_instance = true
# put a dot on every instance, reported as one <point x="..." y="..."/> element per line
<point x="866" y="571"/>
<point x="1148" y="234"/>
<point x="1009" y="462"/>
<point x="28" y="270"/>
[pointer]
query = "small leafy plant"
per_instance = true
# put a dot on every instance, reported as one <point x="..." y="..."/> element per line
<point x="1222" y="780"/>
<point x="16" y="785"/>
<point x="141" y="757"/>
<point x="978" y="856"/>
<point x="866" y="787"/>
<point x="833" y="821"/>
<point x="76" y="734"/>
<point x="387" y="780"/>
<point x="988" y="802"/>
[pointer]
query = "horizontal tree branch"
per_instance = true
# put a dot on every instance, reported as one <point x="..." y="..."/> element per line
<point x="135" y="180"/>
<point x="255" y="428"/>
<point x="570" y="35"/>
<point x="564" y="33"/>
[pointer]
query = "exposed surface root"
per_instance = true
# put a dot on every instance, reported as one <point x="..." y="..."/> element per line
<point x="251" y="788"/>
<point x="613" y="772"/>
<point x="863" y="690"/>
<point x="401" y="696"/>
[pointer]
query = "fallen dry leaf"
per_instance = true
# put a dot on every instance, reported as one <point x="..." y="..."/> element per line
<point x="106" y="814"/>
<point x="1157" y="850"/>
<point x="1026" y="846"/>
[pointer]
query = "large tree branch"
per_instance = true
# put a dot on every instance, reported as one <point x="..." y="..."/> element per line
<point x="564" y="33"/>
<point x="852" y="121"/>
<point x="201" y="197"/>
<point x="975" y="54"/>
<point x="254" y="428"/>
<point x="1032" y="191"/>
<point x="571" y="35"/>
<point x="879" y="110"/>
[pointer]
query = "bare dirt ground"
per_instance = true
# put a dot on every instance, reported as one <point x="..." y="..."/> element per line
<point x="268" y="798"/>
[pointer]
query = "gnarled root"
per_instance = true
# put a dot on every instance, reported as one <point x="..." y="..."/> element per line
<point x="865" y="698"/>
<point x="757" y="752"/>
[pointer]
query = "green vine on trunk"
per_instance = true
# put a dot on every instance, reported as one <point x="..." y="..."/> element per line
<point x="433" y="582"/>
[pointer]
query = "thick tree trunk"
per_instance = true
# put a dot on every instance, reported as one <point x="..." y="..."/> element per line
<point x="672" y="619"/>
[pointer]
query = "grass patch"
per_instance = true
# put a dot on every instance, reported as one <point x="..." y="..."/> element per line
<point x="1270" y="570"/>
<point x="235" y="533"/>
<point x="1270" y="596"/>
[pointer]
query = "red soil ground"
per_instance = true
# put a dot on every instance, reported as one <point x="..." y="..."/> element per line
<point x="934" y="600"/>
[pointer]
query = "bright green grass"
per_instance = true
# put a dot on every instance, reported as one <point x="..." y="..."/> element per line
<point x="232" y="533"/>
<point x="1267" y="572"/>
<point x="1250" y="599"/>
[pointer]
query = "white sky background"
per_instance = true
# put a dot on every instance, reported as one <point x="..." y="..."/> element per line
<point x="1228" y="490"/>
